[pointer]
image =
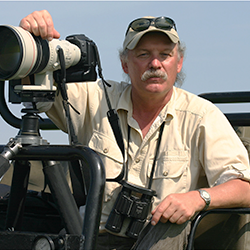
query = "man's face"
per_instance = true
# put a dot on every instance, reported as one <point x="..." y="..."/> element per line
<point x="155" y="51"/>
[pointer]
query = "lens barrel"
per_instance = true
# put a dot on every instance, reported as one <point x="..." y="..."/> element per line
<point x="11" y="52"/>
<point x="21" y="54"/>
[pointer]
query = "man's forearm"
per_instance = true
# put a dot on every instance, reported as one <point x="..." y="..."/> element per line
<point x="234" y="193"/>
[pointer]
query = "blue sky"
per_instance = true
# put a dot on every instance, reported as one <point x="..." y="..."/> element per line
<point x="216" y="34"/>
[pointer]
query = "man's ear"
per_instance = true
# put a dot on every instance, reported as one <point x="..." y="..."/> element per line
<point x="179" y="65"/>
<point x="124" y="67"/>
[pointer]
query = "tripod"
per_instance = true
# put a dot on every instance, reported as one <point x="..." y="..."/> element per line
<point x="28" y="145"/>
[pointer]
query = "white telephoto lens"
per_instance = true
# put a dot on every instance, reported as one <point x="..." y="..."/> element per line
<point x="18" y="52"/>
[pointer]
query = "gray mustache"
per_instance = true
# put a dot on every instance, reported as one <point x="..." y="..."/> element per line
<point x="154" y="73"/>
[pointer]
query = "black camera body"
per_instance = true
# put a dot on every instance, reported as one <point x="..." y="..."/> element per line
<point x="131" y="206"/>
<point x="85" y="69"/>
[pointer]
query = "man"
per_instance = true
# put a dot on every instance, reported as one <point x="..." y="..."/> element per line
<point x="200" y="162"/>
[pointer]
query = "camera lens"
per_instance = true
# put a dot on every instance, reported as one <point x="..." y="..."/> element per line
<point x="10" y="52"/>
<point x="18" y="52"/>
<point x="23" y="54"/>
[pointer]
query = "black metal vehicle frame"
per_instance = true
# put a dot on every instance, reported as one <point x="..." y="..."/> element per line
<point x="85" y="235"/>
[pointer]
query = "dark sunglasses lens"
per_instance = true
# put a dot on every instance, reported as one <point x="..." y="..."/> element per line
<point x="140" y="24"/>
<point x="164" y="23"/>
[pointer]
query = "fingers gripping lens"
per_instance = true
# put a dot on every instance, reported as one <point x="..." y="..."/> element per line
<point x="141" y="24"/>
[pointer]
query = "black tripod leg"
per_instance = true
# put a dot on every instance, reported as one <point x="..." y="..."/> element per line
<point x="18" y="192"/>
<point x="63" y="197"/>
<point x="80" y="179"/>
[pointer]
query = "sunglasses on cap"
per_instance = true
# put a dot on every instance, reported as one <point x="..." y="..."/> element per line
<point x="140" y="24"/>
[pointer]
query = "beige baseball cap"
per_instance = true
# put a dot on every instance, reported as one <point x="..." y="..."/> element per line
<point x="133" y="37"/>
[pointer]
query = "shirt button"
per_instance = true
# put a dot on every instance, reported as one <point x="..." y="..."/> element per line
<point x="137" y="160"/>
<point x="165" y="173"/>
<point x="105" y="150"/>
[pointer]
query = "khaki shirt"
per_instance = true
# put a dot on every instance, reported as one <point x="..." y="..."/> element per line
<point x="199" y="147"/>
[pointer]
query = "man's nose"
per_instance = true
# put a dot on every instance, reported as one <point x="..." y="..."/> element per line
<point x="155" y="63"/>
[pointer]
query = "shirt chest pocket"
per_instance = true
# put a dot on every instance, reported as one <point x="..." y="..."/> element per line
<point x="105" y="146"/>
<point x="109" y="152"/>
<point x="111" y="157"/>
<point x="170" y="165"/>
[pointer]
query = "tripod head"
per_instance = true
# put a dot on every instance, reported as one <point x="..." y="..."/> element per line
<point x="29" y="132"/>
<point x="28" y="135"/>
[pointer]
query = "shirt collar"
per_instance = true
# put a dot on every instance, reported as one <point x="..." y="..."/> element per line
<point x="167" y="113"/>
<point x="125" y="102"/>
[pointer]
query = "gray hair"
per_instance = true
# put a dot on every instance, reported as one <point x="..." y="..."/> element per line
<point x="123" y="54"/>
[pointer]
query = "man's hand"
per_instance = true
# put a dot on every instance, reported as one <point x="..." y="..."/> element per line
<point x="178" y="208"/>
<point x="40" y="23"/>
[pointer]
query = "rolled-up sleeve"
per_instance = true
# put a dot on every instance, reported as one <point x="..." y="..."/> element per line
<point x="221" y="151"/>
